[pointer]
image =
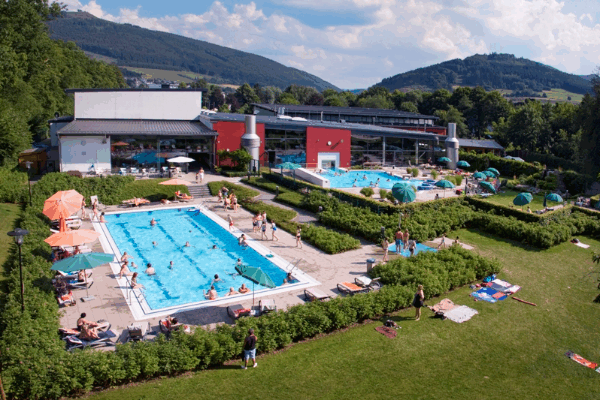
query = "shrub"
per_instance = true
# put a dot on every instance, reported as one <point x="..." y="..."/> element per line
<point x="458" y="180"/>
<point x="383" y="193"/>
<point x="367" y="191"/>
<point x="233" y="174"/>
<point x="13" y="186"/>
<point x="415" y="172"/>
<point x="434" y="174"/>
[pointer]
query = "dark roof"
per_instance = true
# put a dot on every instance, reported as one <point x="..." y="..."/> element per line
<point x="373" y="112"/>
<point x="64" y="118"/>
<point x="136" y="127"/>
<point x="136" y="90"/>
<point x="301" y="124"/>
<point x="482" y="144"/>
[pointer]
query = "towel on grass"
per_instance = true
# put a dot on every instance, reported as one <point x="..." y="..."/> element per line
<point x="460" y="314"/>
<point x="488" y="294"/>
<point x="443" y="306"/>
<point x="580" y="360"/>
<point x="583" y="246"/>
<point x="389" y="332"/>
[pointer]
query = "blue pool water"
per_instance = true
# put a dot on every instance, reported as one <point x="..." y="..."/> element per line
<point x="194" y="267"/>
<point x="347" y="179"/>
<point x="420" y="248"/>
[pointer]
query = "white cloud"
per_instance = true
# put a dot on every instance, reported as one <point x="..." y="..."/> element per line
<point x="398" y="35"/>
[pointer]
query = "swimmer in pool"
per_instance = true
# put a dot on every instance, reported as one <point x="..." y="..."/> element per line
<point x="187" y="244"/>
<point x="216" y="279"/>
<point x="152" y="222"/>
<point x="171" y="265"/>
<point x="154" y="244"/>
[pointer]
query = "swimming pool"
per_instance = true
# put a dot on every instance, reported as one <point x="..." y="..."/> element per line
<point x="364" y="179"/>
<point x="419" y="249"/>
<point x="194" y="266"/>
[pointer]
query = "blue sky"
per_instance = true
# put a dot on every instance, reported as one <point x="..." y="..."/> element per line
<point x="356" y="43"/>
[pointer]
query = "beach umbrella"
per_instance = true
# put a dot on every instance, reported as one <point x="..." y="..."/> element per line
<point x="463" y="164"/>
<point x="488" y="186"/>
<point x="554" y="197"/>
<point x="181" y="160"/>
<point x="404" y="192"/>
<point x="522" y="199"/>
<point x="256" y="275"/>
<point x="62" y="204"/>
<point x="120" y="144"/>
<point x="479" y="175"/>
<point x="494" y="170"/>
<point x="443" y="159"/>
<point x="445" y="185"/>
<point x="80" y="262"/>
<point x="489" y="174"/>
<point x="175" y="182"/>
<point x="72" y="238"/>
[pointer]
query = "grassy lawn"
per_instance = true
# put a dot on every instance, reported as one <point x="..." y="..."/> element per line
<point x="506" y="199"/>
<point x="8" y="216"/>
<point x="509" y="349"/>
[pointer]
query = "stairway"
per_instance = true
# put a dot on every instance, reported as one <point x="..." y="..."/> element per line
<point x="199" y="190"/>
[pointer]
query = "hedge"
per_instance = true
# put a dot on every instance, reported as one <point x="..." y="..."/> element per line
<point x="13" y="185"/>
<point x="505" y="166"/>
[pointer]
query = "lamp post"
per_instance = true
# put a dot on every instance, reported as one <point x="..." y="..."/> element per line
<point x="28" y="164"/>
<point x="18" y="234"/>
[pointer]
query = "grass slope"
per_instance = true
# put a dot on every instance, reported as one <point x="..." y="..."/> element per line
<point x="8" y="217"/>
<point x="506" y="199"/>
<point x="509" y="349"/>
<point x="165" y="74"/>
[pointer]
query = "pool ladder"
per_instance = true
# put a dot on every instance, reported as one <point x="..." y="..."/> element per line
<point x="294" y="263"/>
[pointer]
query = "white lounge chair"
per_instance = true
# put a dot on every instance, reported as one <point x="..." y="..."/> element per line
<point x="367" y="282"/>
<point x="122" y="171"/>
<point x="95" y="199"/>
<point x="313" y="294"/>
<point x="134" y="171"/>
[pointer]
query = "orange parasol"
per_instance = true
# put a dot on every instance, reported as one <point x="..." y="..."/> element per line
<point x="63" y="225"/>
<point x="72" y="238"/>
<point x="120" y="144"/>
<point x="175" y="182"/>
<point x="62" y="204"/>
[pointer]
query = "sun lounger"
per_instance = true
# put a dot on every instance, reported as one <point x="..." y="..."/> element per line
<point x="314" y="294"/>
<point x="236" y="311"/>
<point x="75" y="284"/>
<point x="137" y="331"/>
<point x="184" y="197"/>
<point x="267" y="305"/>
<point x="352" y="288"/>
<point x="74" y="342"/>
<point x="95" y="199"/>
<point x="103" y="326"/>
<point x="66" y="300"/>
<point x="366" y="282"/>
<point x="72" y="275"/>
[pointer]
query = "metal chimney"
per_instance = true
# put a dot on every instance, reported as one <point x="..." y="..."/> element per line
<point x="250" y="140"/>
<point x="452" y="146"/>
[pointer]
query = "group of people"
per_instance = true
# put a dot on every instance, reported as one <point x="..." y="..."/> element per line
<point x="229" y="199"/>
<point x="443" y="242"/>
<point x="259" y="224"/>
<point x="402" y="242"/>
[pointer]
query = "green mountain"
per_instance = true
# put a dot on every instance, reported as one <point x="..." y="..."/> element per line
<point x="492" y="71"/>
<point x="133" y="46"/>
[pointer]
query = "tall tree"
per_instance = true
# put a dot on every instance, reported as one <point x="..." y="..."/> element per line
<point x="590" y="120"/>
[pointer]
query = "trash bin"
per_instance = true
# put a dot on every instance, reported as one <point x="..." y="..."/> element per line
<point x="370" y="263"/>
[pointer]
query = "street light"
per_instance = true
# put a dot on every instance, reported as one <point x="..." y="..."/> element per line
<point x="28" y="164"/>
<point x="18" y="234"/>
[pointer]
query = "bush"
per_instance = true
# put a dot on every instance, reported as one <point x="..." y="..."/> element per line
<point x="13" y="186"/>
<point x="383" y="193"/>
<point x="367" y="191"/>
<point x="434" y="174"/>
<point x="415" y="172"/>
<point x="233" y="174"/>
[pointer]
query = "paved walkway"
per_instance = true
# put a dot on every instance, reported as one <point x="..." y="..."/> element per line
<point x="327" y="269"/>
<point x="303" y="216"/>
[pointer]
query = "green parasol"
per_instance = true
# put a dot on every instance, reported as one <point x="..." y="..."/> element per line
<point x="256" y="275"/>
<point x="463" y="164"/>
<point x="479" y="175"/>
<point x="80" y="262"/>
<point x="488" y="186"/>
<point x="522" y="199"/>
<point x="443" y="159"/>
<point x="494" y="170"/>
<point x="554" y="197"/>
<point x="404" y="192"/>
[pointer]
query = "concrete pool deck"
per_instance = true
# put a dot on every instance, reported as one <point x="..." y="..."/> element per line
<point x="111" y="305"/>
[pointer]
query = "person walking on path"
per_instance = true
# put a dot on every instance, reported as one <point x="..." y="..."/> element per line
<point x="299" y="237"/>
<point x="418" y="302"/>
<point x="83" y="208"/>
<point x="274" y="229"/>
<point x="230" y="222"/>
<point x="250" y="349"/>
<point x="443" y="242"/>
<point x="385" y="244"/>
<point x="399" y="240"/>
<point x="201" y="172"/>
<point x="197" y="177"/>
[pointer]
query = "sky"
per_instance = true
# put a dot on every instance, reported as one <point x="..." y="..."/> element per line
<point x="356" y="43"/>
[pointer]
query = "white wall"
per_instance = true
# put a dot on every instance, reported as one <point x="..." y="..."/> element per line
<point x="54" y="128"/>
<point x="163" y="104"/>
<point x="312" y="177"/>
<point x="79" y="153"/>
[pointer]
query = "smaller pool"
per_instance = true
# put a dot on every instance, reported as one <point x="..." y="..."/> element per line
<point x="420" y="248"/>
<point x="341" y="179"/>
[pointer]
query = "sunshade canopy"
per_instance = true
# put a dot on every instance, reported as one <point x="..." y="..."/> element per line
<point x="479" y="175"/>
<point x="554" y="197"/>
<point x="62" y="204"/>
<point x="522" y="199"/>
<point x="444" y="184"/>
<point x="488" y="186"/>
<point x="443" y="159"/>
<point x="72" y="238"/>
<point x="463" y="164"/>
<point x="82" y="261"/>
<point x="256" y="275"/>
<point x="404" y="193"/>
<point x="494" y="170"/>
<point x="181" y="160"/>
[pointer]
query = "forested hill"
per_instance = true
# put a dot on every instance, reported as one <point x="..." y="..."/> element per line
<point x="492" y="71"/>
<point x="133" y="46"/>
